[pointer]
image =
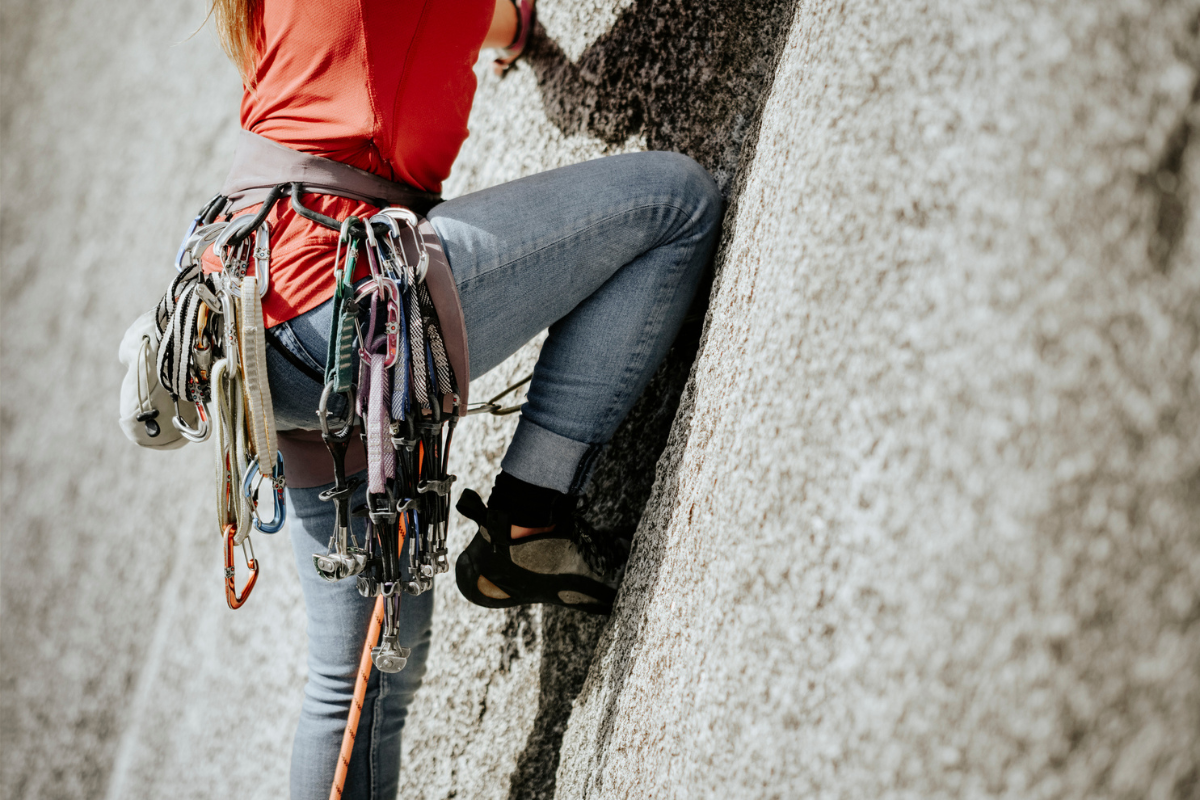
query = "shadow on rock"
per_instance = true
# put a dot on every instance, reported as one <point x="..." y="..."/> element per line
<point x="568" y="639"/>
<point x="690" y="78"/>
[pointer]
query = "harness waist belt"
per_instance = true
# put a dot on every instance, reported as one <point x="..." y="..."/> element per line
<point x="259" y="165"/>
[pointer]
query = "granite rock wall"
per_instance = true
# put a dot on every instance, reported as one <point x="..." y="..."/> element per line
<point x="917" y="492"/>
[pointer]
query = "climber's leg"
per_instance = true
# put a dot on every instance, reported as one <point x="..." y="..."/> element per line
<point x="338" y="617"/>
<point x="607" y="254"/>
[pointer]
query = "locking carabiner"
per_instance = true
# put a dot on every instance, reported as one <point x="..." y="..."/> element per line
<point x="231" y="594"/>
<point x="280" y="511"/>
<point x="262" y="258"/>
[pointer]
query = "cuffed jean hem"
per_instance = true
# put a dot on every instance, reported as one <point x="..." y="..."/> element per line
<point x="544" y="458"/>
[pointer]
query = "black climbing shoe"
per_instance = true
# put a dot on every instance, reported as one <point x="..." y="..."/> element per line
<point x="572" y="565"/>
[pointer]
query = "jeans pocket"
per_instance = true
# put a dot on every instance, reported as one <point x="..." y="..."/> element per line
<point x="284" y="340"/>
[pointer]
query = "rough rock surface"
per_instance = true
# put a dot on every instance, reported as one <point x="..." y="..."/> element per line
<point x="927" y="521"/>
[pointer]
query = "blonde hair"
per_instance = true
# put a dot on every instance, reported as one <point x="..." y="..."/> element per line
<point x="239" y="27"/>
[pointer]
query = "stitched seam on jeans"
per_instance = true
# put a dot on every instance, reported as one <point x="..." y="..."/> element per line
<point x="583" y="469"/>
<point x="644" y="339"/>
<point x="376" y="717"/>
<point x="598" y="222"/>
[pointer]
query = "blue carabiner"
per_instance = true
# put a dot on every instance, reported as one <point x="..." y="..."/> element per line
<point x="280" y="516"/>
<point x="183" y="245"/>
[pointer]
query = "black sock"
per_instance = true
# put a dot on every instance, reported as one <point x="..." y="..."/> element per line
<point x="527" y="505"/>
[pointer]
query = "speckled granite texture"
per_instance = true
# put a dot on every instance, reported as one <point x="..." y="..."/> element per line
<point x="921" y="493"/>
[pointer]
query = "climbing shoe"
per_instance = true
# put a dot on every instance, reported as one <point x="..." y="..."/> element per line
<point x="572" y="565"/>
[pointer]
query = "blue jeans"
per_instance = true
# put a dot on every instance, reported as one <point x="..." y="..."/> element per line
<point x="606" y="254"/>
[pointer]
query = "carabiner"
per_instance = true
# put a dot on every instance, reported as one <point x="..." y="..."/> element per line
<point x="372" y="251"/>
<point x="207" y="214"/>
<point x="183" y="244"/>
<point x="262" y="258"/>
<point x="229" y="317"/>
<point x="280" y="511"/>
<point x="231" y="594"/>
<point x="401" y="214"/>
<point x="199" y="434"/>
<point x="198" y="242"/>
<point x="388" y="288"/>
<point x="260" y="251"/>
<point x="238" y="226"/>
<point x="392" y="327"/>
<point x="392" y="265"/>
<point x="323" y="413"/>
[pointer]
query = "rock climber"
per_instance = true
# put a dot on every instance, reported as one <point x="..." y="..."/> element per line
<point x="607" y="254"/>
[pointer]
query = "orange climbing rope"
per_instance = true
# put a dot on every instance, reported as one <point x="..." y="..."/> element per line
<point x="360" y="689"/>
<point x="360" y="692"/>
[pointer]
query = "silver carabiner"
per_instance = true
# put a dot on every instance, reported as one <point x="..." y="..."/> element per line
<point x="372" y="251"/>
<point x="198" y="242"/>
<point x="235" y="227"/>
<point x="235" y="266"/>
<point x="323" y="413"/>
<point x="199" y="434"/>
<point x="401" y="214"/>
<point x="262" y="258"/>
<point x="229" y="317"/>
<point x="397" y="258"/>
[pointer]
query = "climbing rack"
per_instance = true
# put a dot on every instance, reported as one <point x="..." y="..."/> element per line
<point x="388" y="379"/>
<point x="404" y="402"/>
<point x="212" y="357"/>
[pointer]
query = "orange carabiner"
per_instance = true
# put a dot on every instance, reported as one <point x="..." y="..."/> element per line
<point x="231" y="594"/>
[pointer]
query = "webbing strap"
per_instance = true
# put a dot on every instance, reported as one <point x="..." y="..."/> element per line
<point x="416" y="342"/>
<point x="440" y="361"/>
<point x="339" y="358"/>
<point x="254" y="368"/>
<point x="400" y="371"/>
<point x="381" y="458"/>
<point x="176" y="321"/>
<point x="232" y="505"/>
